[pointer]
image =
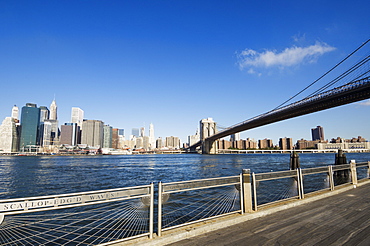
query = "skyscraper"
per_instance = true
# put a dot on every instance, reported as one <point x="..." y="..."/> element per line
<point x="15" y="112"/>
<point x="151" y="137"/>
<point x="77" y="116"/>
<point x="70" y="133"/>
<point x="53" y="110"/>
<point x="92" y="133"/>
<point x="9" y="135"/>
<point x="30" y="119"/>
<point x="317" y="133"/>
<point x="107" y="136"/>
<point x="135" y="132"/>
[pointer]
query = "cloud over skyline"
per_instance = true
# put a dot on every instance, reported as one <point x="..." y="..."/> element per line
<point x="249" y="59"/>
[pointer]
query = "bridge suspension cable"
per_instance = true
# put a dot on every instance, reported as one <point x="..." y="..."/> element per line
<point x="326" y="86"/>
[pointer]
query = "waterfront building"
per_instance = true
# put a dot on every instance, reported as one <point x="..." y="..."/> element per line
<point x="159" y="143"/>
<point x="139" y="143"/>
<point x="45" y="130"/>
<point x="15" y="112"/>
<point x="286" y="143"/>
<point x="317" y="133"/>
<point x="172" y="142"/>
<point x="146" y="143"/>
<point x="224" y="144"/>
<point x="70" y="133"/>
<point x="121" y="139"/>
<point x="9" y="135"/>
<point x="307" y="144"/>
<point x="30" y="120"/>
<point x="115" y="139"/>
<point x="252" y="144"/>
<point x="152" y="143"/>
<point x="107" y="136"/>
<point x="193" y="139"/>
<point x="343" y="145"/>
<point x="142" y="131"/>
<point x="265" y="144"/>
<point x="77" y="116"/>
<point x="92" y="133"/>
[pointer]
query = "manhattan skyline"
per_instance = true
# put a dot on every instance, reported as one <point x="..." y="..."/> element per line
<point x="172" y="64"/>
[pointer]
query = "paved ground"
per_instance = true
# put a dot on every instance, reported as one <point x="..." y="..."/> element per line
<point x="342" y="219"/>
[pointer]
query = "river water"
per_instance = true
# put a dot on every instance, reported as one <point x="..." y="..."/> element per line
<point x="38" y="176"/>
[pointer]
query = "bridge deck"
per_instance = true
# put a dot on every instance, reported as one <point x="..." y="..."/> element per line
<point x="342" y="219"/>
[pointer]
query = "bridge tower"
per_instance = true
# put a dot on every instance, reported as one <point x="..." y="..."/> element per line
<point x="208" y="128"/>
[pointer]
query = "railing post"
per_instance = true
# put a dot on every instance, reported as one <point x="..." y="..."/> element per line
<point x="331" y="177"/>
<point x="353" y="172"/>
<point x="247" y="191"/>
<point x="368" y="169"/>
<point x="159" y="209"/>
<point x="300" y="183"/>
<point x="241" y="193"/>
<point x="254" y="192"/>
<point x="151" y="213"/>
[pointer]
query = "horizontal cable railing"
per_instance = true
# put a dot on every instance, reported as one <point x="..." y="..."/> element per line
<point x="87" y="218"/>
<point x="187" y="202"/>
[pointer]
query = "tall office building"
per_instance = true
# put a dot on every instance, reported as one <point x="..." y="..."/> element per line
<point x="92" y="133"/>
<point x="9" y="135"/>
<point x="45" y="138"/>
<point x="173" y="142"/>
<point x="317" y="133"/>
<point x="15" y="112"/>
<point x="77" y="116"/>
<point x="53" y="110"/>
<point x="30" y="120"/>
<point x="70" y="133"/>
<point x="194" y="138"/>
<point x="142" y="131"/>
<point x="151" y="137"/>
<point x="44" y="114"/>
<point x="107" y="136"/>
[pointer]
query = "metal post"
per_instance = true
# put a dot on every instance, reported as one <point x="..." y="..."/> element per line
<point x="159" y="209"/>
<point x="300" y="183"/>
<point x="331" y="178"/>
<point x="368" y="169"/>
<point x="254" y="191"/>
<point x="151" y="215"/>
<point x="241" y="194"/>
<point x="247" y="190"/>
<point x="353" y="173"/>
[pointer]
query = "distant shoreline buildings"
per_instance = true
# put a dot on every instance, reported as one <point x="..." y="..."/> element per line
<point x="38" y="130"/>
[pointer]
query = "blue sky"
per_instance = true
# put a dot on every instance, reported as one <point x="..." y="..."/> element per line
<point x="173" y="63"/>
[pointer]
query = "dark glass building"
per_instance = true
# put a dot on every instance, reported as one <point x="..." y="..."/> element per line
<point x="317" y="133"/>
<point x="30" y="120"/>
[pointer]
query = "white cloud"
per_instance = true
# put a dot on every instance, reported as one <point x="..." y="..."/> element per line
<point x="288" y="57"/>
<point x="365" y="103"/>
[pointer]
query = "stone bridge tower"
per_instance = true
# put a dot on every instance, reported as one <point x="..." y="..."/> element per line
<point x="208" y="128"/>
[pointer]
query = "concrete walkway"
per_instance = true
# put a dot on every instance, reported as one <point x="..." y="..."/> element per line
<point x="341" y="219"/>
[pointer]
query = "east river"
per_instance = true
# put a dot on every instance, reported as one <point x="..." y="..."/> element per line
<point x="39" y="176"/>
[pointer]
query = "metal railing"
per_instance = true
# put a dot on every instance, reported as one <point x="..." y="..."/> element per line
<point x="110" y="216"/>
<point x="87" y="218"/>
<point x="187" y="202"/>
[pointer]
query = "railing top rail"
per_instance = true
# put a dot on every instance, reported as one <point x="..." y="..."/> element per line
<point x="362" y="164"/>
<point x="200" y="184"/>
<point x="341" y="167"/>
<point x="275" y="175"/>
<point x="74" y="194"/>
<point x="314" y="170"/>
<point x="196" y="180"/>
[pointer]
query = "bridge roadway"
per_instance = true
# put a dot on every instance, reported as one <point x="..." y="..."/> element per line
<point x="341" y="219"/>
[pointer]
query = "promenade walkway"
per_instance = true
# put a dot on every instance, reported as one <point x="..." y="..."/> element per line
<point x="341" y="219"/>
